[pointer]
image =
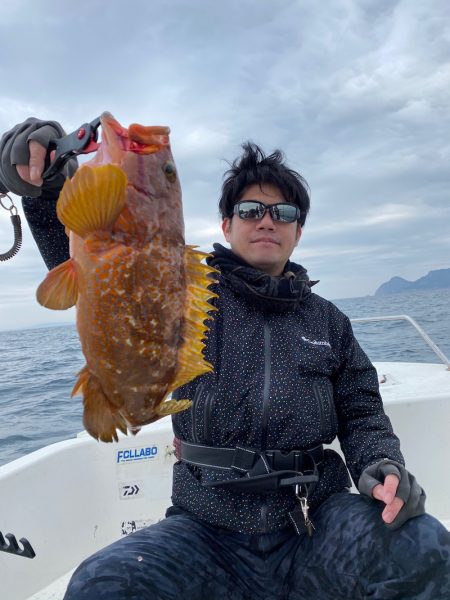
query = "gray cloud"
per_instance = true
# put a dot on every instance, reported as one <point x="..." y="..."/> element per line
<point x="355" y="93"/>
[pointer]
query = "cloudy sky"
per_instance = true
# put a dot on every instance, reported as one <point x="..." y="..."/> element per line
<point x="356" y="93"/>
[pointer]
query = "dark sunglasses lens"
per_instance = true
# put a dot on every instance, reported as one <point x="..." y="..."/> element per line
<point x="250" y="210"/>
<point x="287" y="213"/>
<point x="254" y="210"/>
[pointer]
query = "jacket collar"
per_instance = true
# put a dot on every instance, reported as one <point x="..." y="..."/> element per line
<point x="275" y="294"/>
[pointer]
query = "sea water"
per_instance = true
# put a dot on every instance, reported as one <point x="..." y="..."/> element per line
<point x="38" y="366"/>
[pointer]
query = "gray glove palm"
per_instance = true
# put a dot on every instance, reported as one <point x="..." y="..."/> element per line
<point x="408" y="489"/>
<point x="14" y="151"/>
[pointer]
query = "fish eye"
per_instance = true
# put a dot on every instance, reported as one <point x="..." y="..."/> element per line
<point x="170" y="171"/>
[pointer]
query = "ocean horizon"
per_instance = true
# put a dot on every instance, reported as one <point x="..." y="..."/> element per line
<point x="39" y="364"/>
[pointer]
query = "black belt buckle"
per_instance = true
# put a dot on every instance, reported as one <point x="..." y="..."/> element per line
<point x="285" y="461"/>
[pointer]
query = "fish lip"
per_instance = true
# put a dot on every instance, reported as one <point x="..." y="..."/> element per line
<point x="136" y="138"/>
<point x="109" y="122"/>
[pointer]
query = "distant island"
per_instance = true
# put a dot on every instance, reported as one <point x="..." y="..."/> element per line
<point x="433" y="281"/>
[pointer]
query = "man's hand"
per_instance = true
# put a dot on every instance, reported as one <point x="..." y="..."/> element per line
<point x="32" y="172"/>
<point x="23" y="152"/>
<point x="389" y="481"/>
<point x="386" y="493"/>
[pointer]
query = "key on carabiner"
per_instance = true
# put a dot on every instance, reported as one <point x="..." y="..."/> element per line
<point x="305" y="510"/>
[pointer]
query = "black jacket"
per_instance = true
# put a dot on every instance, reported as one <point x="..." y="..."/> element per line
<point x="288" y="373"/>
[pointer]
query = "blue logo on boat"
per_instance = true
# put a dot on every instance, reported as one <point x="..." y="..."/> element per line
<point x="132" y="454"/>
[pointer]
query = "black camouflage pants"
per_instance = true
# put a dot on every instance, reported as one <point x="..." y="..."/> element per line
<point x="351" y="555"/>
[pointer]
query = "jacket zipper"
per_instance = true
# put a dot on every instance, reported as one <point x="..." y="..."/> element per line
<point x="325" y="402"/>
<point x="265" y="411"/>
<point x="197" y="396"/>
<point x="266" y="391"/>
<point x="319" y="401"/>
<point x="207" y="410"/>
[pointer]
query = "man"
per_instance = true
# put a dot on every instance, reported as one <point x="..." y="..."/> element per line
<point x="260" y="509"/>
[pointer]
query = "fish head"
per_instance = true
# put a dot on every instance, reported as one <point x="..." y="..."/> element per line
<point x="154" y="191"/>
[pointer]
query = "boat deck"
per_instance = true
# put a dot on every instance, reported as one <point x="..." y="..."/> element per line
<point x="412" y="382"/>
<point x="54" y="591"/>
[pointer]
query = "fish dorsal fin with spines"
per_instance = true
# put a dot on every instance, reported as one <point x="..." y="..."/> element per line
<point x="59" y="290"/>
<point x="191" y="362"/>
<point x="93" y="199"/>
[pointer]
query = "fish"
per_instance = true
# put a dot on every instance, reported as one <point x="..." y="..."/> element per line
<point x="142" y="295"/>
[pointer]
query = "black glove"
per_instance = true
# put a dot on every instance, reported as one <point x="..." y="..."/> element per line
<point x="408" y="489"/>
<point x="14" y="151"/>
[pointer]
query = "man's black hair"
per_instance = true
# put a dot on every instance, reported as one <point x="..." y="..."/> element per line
<point x="254" y="167"/>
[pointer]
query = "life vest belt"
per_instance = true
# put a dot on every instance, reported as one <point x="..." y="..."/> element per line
<point x="262" y="471"/>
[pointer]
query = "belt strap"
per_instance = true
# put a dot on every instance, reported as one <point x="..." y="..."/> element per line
<point x="263" y="471"/>
<point x="244" y="459"/>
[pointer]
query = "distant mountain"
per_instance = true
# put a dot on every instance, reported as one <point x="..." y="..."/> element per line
<point x="433" y="281"/>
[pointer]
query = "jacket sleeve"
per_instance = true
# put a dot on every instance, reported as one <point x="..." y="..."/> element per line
<point x="364" y="430"/>
<point x="48" y="232"/>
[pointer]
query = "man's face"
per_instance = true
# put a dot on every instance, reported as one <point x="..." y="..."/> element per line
<point x="264" y="244"/>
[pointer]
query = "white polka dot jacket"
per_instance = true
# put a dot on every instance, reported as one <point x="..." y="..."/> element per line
<point x="288" y="374"/>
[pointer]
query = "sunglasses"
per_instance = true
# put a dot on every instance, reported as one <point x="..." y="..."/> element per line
<point x="254" y="210"/>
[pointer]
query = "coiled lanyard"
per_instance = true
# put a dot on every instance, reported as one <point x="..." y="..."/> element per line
<point x="15" y="220"/>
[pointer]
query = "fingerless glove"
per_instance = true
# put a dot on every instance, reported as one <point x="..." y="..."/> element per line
<point x="14" y="151"/>
<point x="408" y="489"/>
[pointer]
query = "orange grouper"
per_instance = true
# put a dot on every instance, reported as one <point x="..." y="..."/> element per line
<point x="141" y="294"/>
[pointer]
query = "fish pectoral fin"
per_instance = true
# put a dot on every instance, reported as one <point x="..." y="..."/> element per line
<point x="101" y="419"/>
<point x="59" y="290"/>
<point x="93" y="199"/>
<point x="171" y="407"/>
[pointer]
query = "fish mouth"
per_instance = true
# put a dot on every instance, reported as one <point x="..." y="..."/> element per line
<point x="137" y="138"/>
<point x="147" y="140"/>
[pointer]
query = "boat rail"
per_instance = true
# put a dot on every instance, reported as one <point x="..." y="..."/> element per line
<point x="418" y="328"/>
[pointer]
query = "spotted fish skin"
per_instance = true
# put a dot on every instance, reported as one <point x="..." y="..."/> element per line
<point x="141" y="294"/>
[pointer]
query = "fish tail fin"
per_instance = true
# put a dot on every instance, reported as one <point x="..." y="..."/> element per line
<point x="93" y="199"/>
<point x="100" y="418"/>
<point x="191" y="361"/>
<point x="59" y="290"/>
